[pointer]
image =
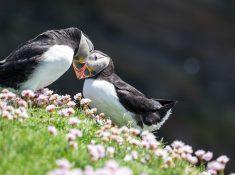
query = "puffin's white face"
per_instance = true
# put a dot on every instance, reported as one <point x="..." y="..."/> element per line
<point x="94" y="64"/>
<point x="85" y="48"/>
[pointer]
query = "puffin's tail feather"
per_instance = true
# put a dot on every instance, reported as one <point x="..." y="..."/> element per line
<point x="167" y="105"/>
<point x="158" y="118"/>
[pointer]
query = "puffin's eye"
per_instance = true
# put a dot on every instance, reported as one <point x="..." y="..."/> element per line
<point x="95" y="57"/>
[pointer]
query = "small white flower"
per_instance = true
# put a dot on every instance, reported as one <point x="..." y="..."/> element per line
<point x="110" y="151"/>
<point x="128" y="158"/>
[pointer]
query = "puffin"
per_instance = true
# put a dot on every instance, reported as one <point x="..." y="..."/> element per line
<point x="118" y="100"/>
<point x="42" y="60"/>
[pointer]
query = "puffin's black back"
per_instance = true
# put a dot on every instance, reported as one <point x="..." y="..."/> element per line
<point x="152" y="111"/>
<point x="22" y="61"/>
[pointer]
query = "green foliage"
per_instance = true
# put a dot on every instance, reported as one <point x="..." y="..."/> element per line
<point x="28" y="148"/>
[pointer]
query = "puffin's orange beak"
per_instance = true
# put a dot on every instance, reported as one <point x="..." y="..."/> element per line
<point x="81" y="69"/>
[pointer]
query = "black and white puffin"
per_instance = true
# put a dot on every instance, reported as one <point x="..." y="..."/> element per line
<point x="42" y="60"/>
<point x="121" y="102"/>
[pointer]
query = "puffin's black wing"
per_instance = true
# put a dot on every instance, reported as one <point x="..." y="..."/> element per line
<point x="21" y="62"/>
<point x="132" y="99"/>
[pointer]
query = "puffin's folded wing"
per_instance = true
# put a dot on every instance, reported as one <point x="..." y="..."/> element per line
<point x="20" y="63"/>
<point x="136" y="103"/>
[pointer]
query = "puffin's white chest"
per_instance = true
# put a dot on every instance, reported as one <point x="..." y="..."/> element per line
<point x="55" y="62"/>
<point x="105" y="99"/>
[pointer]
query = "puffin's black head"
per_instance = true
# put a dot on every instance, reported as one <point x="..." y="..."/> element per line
<point x="94" y="64"/>
<point x="83" y="51"/>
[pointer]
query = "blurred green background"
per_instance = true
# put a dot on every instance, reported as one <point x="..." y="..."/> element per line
<point x="181" y="49"/>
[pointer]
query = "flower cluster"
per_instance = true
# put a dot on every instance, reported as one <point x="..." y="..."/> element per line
<point x="96" y="151"/>
<point x="111" y="167"/>
<point x="109" y="132"/>
<point x="72" y="136"/>
<point x="12" y="106"/>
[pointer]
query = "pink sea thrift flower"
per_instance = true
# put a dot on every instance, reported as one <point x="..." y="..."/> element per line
<point x="21" y="103"/>
<point x="85" y="101"/>
<point x="50" y="108"/>
<point x="177" y="144"/>
<point x="192" y="159"/>
<point x="70" y="137"/>
<point x="71" y="104"/>
<point x="7" y="115"/>
<point x="74" y="121"/>
<point x="66" y="112"/>
<point x="123" y="170"/>
<point x="223" y="159"/>
<point x="96" y="151"/>
<point x="76" y="132"/>
<point x="112" y="164"/>
<point x="63" y="163"/>
<point x="78" y="96"/>
<point x="214" y="165"/>
<point x="52" y="130"/>
<point x="28" y="94"/>
<point x="207" y="156"/>
<point x="200" y="153"/>
<point x="42" y="100"/>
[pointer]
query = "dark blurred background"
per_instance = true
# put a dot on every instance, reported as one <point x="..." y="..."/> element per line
<point x="181" y="49"/>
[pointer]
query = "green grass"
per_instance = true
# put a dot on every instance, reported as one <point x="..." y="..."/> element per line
<point x="27" y="148"/>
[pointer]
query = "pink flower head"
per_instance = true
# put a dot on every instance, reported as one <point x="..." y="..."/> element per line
<point x="63" y="163"/>
<point x="85" y="101"/>
<point x="76" y="132"/>
<point x="214" y="165"/>
<point x="123" y="170"/>
<point x="112" y="164"/>
<point x="6" y="114"/>
<point x="64" y="99"/>
<point x="22" y="103"/>
<point x="200" y="153"/>
<point x="70" y="137"/>
<point x="10" y="96"/>
<point x="52" y="130"/>
<point x="223" y="159"/>
<point x="207" y="156"/>
<point x="42" y="100"/>
<point x="177" y="144"/>
<point x="74" y="121"/>
<point x="71" y="104"/>
<point x="50" y="108"/>
<point x="192" y="159"/>
<point x="66" y="112"/>
<point x="78" y="96"/>
<point x="28" y="94"/>
<point x="96" y="151"/>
